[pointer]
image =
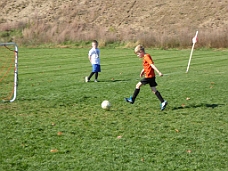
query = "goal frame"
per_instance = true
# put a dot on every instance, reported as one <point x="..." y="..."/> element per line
<point x="15" y="68"/>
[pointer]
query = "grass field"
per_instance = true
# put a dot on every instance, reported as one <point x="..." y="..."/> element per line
<point x="57" y="123"/>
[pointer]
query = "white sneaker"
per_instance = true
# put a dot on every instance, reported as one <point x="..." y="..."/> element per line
<point x="163" y="105"/>
<point x="95" y="81"/>
<point x="86" y="79"/>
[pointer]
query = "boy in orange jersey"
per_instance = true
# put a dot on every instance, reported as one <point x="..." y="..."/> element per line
<point x="149" y="76"/>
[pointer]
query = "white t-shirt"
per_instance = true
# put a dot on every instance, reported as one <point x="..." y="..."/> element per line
<point x="95" y="56"/>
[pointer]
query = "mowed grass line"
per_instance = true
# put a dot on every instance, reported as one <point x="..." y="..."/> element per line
<point x="57" y="123"/>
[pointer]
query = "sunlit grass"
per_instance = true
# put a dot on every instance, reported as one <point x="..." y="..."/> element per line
<point x="57" y="123"/>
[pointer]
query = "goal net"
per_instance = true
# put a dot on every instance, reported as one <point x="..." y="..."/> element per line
<point x="8" y="71"/>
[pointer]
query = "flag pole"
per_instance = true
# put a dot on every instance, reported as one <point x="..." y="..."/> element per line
<point x="194" y="40"/>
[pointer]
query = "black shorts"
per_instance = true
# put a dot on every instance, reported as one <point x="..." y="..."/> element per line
<point x="150" y="81"/>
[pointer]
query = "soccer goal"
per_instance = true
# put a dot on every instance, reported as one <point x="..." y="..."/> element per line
<point x="8" y="71"/>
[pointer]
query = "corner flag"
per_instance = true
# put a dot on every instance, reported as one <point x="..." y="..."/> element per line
<point x="194" y="40"/>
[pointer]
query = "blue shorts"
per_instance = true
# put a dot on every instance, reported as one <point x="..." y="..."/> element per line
<point x="96" y="68"/>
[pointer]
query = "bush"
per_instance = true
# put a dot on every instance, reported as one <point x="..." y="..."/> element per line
<point x="38" y="32"/>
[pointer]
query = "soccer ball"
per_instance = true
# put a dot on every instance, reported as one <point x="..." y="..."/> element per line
<point x="106" y="105"/>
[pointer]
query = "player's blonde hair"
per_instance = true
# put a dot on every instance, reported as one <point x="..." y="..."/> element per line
<point x="139" y="48"/>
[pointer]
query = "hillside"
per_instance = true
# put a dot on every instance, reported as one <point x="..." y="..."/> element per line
<point x="125" y="19"/>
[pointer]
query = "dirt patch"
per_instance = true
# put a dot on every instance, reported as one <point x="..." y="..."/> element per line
<point x="133" y="16"/>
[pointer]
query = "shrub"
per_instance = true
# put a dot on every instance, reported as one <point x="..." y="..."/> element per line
<point x="38" y="32"/>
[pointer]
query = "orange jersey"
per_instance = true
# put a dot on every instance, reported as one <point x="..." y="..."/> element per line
<point x="148" y="70"/>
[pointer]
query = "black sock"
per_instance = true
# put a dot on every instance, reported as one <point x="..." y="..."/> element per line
<point x="159" y="96"/>
<point x="136" y="92"/>
<point x="96" y="75"/>
<point x="91" y="74"/>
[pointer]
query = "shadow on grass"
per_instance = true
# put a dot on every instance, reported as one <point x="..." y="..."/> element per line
<point x="197" y="106"/>
<point x="105" y="81"/>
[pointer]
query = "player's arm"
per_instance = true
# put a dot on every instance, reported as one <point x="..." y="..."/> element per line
<point x="142" y="73"/>
<point x="89" y="58"/>
<point x="155" y="68"/>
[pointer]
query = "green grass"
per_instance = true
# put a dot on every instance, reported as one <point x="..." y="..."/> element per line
<point x="52" y="97"/>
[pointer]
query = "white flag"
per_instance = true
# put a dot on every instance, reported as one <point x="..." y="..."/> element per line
<point x="195" y="39"/>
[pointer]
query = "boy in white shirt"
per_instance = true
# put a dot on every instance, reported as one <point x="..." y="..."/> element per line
<point x="94" y="58"/>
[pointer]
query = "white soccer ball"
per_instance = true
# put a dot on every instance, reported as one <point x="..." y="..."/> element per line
<point x="106" y="105"/>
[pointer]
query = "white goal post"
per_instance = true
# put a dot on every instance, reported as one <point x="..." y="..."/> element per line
<point x="14" y="49"/>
